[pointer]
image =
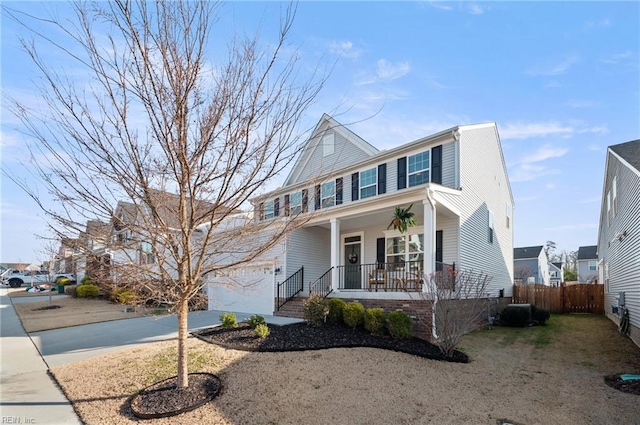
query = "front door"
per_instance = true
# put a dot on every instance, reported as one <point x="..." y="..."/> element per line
<point x="352" y="262"/>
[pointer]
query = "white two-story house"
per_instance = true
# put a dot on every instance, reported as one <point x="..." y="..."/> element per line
<point x="455" y="182"/>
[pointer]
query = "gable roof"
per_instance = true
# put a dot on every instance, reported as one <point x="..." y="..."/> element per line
<point x="526" y="252"/>
<point x="588" y="252"/>
<point x="558" y="265"/>
<point x="629" y="151"/>
<point x="314" y="142"/>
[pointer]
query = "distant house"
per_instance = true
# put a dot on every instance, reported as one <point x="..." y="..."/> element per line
<point x="531" y="265"/>
<point x="588" y="264"/>
<point x="619" y="233"/>
<point x="556" y="274"/>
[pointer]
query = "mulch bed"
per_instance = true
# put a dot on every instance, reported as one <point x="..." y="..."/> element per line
<point x="631" y="387"/>
<point x="301" y="337"/>
<point x="164" y="398"/>
<point x="47" y="307"/>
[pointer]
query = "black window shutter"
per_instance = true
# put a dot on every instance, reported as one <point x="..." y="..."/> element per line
<point x="276" y="207"/>
<point x="261" y="211"/>
<point x="436" y="164"/>
<point x="402" y="172"/>
<point x="286" y="206"/>
<point x="317" y="199"/>
<point x="305" y="200"/>
<point x="355" y="186"/>
<point x="439" y="247"/>
<point x="338" y="191"/>
<point x="382" y="179"/>
<point x="380" y="252"/>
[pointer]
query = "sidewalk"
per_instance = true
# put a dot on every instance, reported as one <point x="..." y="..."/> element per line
<point x="29" y="395"/>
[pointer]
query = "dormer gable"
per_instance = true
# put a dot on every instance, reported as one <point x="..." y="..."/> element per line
<point x="330" y="147"/>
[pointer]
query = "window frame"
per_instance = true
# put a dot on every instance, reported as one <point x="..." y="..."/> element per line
<point x="589" y="265"/>
<point x="146" y="253"/>
<point x="427" y="170"/>
<point x="269" y="209"/>
<point x="295" y="208"/>
<point x="490" y="225"/>
<point x="407" y="252"/>
<point x="370" y="185"/>
<point x="328" y="144"/>
<point x="332" y="196"/>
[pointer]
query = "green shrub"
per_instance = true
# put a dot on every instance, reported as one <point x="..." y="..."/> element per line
<point x="229" y="320"/>
<point x="353" y="314"/>
<point x="63" y="281"/>
<point x="400" y="325"/>
<point x="262" y="330"/>
<point x="336" y="306"/>
<point x="255" y="320"/>
<point x="316" y="308"/>
<point x="86" y="280"/>
<point x="125" y="296"/>
<point x="87" y="290"/>
<point x="539" y="315"/>
<point x="374" y="320"/>
<point x="515" y="316"/>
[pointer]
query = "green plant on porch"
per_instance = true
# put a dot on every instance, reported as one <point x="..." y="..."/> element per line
<point x="402" y="219"/>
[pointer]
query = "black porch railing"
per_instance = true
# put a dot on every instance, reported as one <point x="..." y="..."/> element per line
<point x="290" y="288"/>
<point x="322" y="286"/>
<point x="391" y="277"/>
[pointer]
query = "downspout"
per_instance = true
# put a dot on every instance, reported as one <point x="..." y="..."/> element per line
<point x="434" y="331"/>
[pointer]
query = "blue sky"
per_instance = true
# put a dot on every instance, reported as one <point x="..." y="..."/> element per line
<point x="561" y="80"/>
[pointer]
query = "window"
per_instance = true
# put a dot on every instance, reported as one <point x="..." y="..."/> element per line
<point x="593" y="265"/>
<point x="490" y="227"/>
<point x="407" y="248"/>
<point x="295" y="203"/>
<point x="368" y="183"/>
<point x="606" y="277"/>
<point x="146" y="253"/>
<point x="614" y="190"/>
<point x="419" y="169"/>
<point x="553" y="273"/>
<point x="508" y="213"/>
<point x="269" y="209"/>
<point x="609" y="208"/>
<point x="328" y="194"/>
<point x="328" y="143"/>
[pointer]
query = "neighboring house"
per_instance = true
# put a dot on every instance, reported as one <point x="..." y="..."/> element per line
<point x="347" y="190"/>
<point x="531" y="265"/>
<point x="587" y="264"/>
<point x="619" y="233"/>
<point x="556" y="274"/>
<point x="93" y="259"/>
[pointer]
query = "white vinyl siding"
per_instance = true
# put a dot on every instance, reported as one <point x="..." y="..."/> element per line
<point x="309" y="248"/>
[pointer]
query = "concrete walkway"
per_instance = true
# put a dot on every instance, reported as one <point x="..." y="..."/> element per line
<point x="29" y="393"/>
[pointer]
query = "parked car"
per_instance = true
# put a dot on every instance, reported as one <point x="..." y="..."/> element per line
<point x="36" y="277"/>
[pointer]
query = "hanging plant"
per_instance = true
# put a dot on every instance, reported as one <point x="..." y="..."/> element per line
<point x="402" y="219"/>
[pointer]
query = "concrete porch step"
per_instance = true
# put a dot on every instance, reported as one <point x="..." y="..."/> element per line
<point x="292" y="308"/>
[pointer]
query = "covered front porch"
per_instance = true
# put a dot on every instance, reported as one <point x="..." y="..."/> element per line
<point x="369" y="258"/>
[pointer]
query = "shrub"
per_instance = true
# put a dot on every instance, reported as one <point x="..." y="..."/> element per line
<point x="539" y="315"/>
<point x="316" y="308"/>
<point x="255" y="320"/>
<point x="353" y="314"/>
<point x="262" y="330"/>
<point x="125" y="296"/>
<point x="86" y="280"/>
<point x="400" y="325"/>
<point x="229" y="320"/>
<point x="515" y="316"/>
<point x="63" y="281"/>
<point x="87" y="290"/>
<point x="199" y="302"/>
<point x="71" y="290"/>
<point x="374" y="320"/>
<point x="336" y="306"/>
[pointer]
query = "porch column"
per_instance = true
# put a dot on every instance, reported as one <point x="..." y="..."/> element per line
<point x="335" y="253"/>
<point x="429" y="235"/>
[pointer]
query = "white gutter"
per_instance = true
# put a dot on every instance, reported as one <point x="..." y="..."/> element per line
<point x="434" y="331"/>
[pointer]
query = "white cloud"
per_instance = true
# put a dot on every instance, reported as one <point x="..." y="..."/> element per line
<point x="554" y="68"/>
<point x="603" y="23"/>
<point x="618" y="57"/>
<point x="527" y="172"/>
<point x="522" y="130"/>
<point x="388" y="71"/>
<point x="527" y="198"/>
<point x="550" y="186"/>
<point x="591" y="200"/>
<point x="345" y="49"/>
<point x="476" y="9"/>
<point x="577" y="226"/>
<point x="528" y="167"/>
<point x="440" y="5"/>
<point x="552" y="85"/>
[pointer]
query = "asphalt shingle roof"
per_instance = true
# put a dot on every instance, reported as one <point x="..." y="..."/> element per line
<point x="588" y="252"/>
<point x="526" y="252"/>
<point x="629" y="151"/>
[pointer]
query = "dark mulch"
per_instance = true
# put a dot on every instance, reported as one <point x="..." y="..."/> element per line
<point x="631" y="387"/>
<point x="164" y="398"/>
<point x="47" y="307"/>
<point x="301" y="337"/>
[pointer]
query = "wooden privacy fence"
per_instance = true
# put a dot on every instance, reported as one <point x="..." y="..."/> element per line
<point x="565" y="299"/>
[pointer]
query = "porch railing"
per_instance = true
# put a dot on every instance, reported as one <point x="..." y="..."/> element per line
<point x="290" y="288"/>
<point x="322" y="286"/>
<point x="390" y="277"/>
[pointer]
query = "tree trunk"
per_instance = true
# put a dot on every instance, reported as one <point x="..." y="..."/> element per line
<point x="183" y="370"/>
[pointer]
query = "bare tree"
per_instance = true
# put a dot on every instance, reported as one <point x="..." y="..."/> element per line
<point x="460" y="305"/>
<point x="522" y="273"/>
<point x="184" y="141"/>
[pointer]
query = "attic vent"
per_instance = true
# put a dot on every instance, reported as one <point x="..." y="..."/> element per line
<point x="328" y="142"/>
